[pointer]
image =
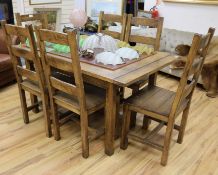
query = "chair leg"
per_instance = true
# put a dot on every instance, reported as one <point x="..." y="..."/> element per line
<point x="152" y="80"/>
<point x="46" y="111"/>
<point x="133" y="114"/>
<point x="34" y="100"/>
<point x="55" y="120"/>
<point x="183" y="124"/>
<point x="84" y="134"/>
<point x="132" y="120"/>
<point x="146" y="123"/>
<point x="167" y="141"/>
<point x="125" y="128"/>
<point x="24" y="106"/>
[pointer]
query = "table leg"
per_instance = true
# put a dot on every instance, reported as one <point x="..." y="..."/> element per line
<point x="110" y="118"/>
<point x="34" y="100"/>
<point x="117" y="119"/>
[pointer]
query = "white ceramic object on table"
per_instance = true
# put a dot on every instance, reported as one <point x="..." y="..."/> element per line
<point x="100" y="40"/>
<point x="108" y="58"/>
<point x="127" y="53"/>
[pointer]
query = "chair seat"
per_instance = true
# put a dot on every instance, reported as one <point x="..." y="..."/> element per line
<point x="95" y="99"/>
<point x="31" y="86"/>
<point x="155" y="100"/>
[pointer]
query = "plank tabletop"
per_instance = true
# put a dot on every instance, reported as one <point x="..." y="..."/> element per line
<point x="131" y="73"/>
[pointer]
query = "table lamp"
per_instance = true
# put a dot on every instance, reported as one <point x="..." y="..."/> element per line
<point x="78" y="18"/>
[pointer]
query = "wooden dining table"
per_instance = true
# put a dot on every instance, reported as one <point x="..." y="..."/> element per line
<point x="112" y="80"/>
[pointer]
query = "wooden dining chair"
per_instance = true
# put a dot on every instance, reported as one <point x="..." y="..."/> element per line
<point x="163" y="105"/>
<point x="43" y="20"/>
<point x="29" y="78"/>
<point x="112" y="18"/>
<point x="156" y="24"/>
<point x="69" y="95"/>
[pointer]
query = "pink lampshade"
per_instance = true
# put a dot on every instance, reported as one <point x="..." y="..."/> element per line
<point x="78" y="18"/>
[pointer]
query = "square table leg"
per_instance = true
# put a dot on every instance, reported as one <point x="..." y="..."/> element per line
<point x="110" y="118"/>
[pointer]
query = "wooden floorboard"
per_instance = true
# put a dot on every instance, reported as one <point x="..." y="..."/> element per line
<point x="24" y="149"/>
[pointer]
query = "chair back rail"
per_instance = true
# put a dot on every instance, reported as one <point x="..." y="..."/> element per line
<point x="22" y="52"/>
<point x="112" y="18"/>
<point x="42" y="18"/>
<point x="60" y="63"/>
<point x="71" y="66"/>
<point x="149" y="22"/>
<point x="194" y="64"/>
<point x="32" y="17"/>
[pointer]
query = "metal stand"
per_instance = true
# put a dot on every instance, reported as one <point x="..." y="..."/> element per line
<point x="78" y="37"/>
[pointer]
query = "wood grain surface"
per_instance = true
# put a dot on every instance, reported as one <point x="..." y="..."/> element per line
<point x="25" y="150"/>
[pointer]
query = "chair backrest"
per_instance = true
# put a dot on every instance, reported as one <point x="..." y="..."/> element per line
<point x="42" y="18"/>
<point x="112" y="18"/>
<point x="67" y="66"/>
<point x="192" y="70"/>
<point x="147" y="22"/>
<point x="33" y="69"/>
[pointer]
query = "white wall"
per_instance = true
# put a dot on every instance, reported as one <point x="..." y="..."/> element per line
<point x="80" y="4"/>
<point x="66" y="6"/>
<point x="181" y="16"/>
<point x="188" y="17"/>
<point x="18" y="6"/>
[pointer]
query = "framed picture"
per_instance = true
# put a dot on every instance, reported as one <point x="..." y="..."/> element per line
<point x="211" y="2"/>
<point x="53" y="15"/>
<point x="38" y="2"/>
<point x="93" y="7"/>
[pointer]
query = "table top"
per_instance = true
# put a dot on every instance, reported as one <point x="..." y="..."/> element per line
<point x="131" y="73"/>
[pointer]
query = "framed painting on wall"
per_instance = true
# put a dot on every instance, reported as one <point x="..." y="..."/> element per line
<point x="93" y="7"/>
<point x="53" y="15"/>
<point x="210" y="2"/>
<point x="38" y="2"/>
